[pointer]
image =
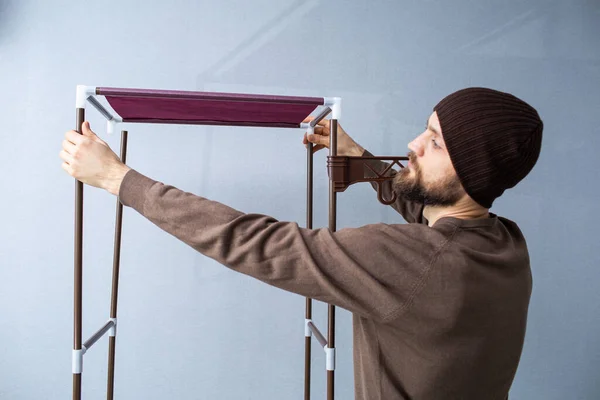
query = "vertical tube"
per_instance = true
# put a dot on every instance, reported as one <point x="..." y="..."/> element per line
<point x="115" y="280"/>
<point x="309" y="186"/>
<point x="307" y="353"/>
<point x="309" y="221"/>
<point x="111" y="368"/>
<point x="332" y="227"/>
<point x="78" y="264"/>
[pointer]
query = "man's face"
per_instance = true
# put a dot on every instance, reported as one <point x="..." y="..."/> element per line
<point x="429" y="177"/>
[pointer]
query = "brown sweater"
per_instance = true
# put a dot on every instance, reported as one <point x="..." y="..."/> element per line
<point x="438" y="312"/>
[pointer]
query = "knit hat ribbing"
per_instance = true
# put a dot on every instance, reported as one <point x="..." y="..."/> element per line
<point x="493" y="139"/>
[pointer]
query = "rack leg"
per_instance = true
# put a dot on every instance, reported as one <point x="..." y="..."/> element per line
<point x="78" y="266"/>
<point x="115" y="280"/>
<point x="309" y="225"/>
<point x="332" y="227"/>
<point x="307" y="351"/>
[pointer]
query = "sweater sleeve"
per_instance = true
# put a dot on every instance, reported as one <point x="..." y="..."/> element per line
<point x="373" y="271"/>
<point x="411" y="211"/>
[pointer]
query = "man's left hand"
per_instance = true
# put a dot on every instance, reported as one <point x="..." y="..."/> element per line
<point x="90" y="160"/>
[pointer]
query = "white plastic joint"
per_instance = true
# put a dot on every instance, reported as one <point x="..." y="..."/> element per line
<point x="113" y="330"/>
<point x="335" y="103"/>
<point x="78" y="360"/>
<point x="83" y="92"/>
<point x="110" y="126"/>
<point x="330" y="358"/>
<point x="307" y="331"/>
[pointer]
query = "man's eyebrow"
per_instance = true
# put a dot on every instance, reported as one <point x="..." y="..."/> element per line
<point x="427" y="126"/>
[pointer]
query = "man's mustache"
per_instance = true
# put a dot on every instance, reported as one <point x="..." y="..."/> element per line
<point x="412" y="157"/>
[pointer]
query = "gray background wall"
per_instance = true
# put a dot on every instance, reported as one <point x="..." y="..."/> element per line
<point x="191" y="329"/>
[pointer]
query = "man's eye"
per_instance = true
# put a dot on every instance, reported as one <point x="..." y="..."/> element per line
<point x="435" y="144"/>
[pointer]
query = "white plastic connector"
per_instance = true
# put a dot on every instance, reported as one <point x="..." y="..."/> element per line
<point x="335" y="103"/>
<point x="110" y="126"/>
<point x="83" y="92"/>
<point x="329" y="358"/>
<point x="307" y="331"/>
<point x="78" y="360"/>
<point x="113" y="330"/>
<point x="304" y="125"/>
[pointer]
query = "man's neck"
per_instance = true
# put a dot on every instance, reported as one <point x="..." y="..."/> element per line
<point x="465" y="208"/>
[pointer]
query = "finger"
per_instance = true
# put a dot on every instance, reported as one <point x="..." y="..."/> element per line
<point x="66" y="157"/>
<point x="74" y="137"/>
<point x="68" y="147"/>
<point x="319" y="130"/>
<point x="318" y="139"/>
<point x="323" y="122"/>
<point x="305" y="140"/>
<point x="67" y="168"/>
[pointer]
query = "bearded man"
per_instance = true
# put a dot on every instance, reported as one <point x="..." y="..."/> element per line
<point x="440" y="303"/>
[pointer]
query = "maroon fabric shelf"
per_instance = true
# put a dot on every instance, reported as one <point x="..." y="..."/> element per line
<point x="209" y="108"/>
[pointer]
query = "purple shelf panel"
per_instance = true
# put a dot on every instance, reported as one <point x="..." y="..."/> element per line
<point x="170" y="106"/>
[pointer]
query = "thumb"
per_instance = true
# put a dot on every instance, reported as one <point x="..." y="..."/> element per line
<point x="86" y="130"/>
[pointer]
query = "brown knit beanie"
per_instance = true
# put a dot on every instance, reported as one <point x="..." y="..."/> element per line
<point x="493" y="139"/>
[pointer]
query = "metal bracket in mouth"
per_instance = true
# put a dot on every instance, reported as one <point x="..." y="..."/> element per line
<point x="345" y="171"/>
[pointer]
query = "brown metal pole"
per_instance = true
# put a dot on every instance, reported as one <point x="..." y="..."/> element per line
<point x="115" y="280"/>
<point x="332" y="227"/>
<point x="309" y="221"/>
<point x="78" y="265"/>
<point x="307" y="350"/>
<point x="309" y="186"/>
<point x="111" y="368"/>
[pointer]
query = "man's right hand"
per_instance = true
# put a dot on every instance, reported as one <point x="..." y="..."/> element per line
<point x="346" y="146"/>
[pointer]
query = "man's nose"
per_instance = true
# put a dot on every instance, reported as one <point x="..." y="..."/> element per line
<point x="416" y="146"/>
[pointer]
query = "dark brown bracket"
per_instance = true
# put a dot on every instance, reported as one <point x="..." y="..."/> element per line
<point x="345" y="171"/>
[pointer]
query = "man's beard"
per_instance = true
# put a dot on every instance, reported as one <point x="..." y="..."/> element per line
<point x="444" y="192"/>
